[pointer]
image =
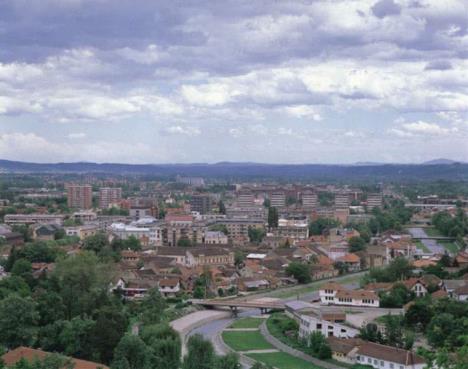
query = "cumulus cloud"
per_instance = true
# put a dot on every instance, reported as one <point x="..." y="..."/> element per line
<point x="243" y="69"/>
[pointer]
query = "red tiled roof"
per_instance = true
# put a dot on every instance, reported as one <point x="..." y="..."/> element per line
<point x="357" y="294"/>
<point x="389" y="353"/>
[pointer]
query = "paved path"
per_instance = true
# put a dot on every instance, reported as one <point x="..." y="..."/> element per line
<point x="266" y="351"/>
<point x="240" y="329"/>
<point x="289" y="350"/>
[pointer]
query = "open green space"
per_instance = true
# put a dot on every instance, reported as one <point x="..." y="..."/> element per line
<point x="247" y="323"/>
<point x="421" y="246"/>
<point x="449" y="246"/>
<point x="433" y="232"/>
<point x="245" y="340"/>
<point x="313" y="286"/>
<point x="282" y="360"/>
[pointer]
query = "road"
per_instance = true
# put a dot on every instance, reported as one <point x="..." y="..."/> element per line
<point x="432" y="245"/>
<point x="212" y="330"/>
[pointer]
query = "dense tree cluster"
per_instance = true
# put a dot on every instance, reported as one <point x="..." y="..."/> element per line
<point x="398" y="269"/>
<point x="319" y="226"/>
<point x="300" y="271"/>
<point x="452" y="226"/>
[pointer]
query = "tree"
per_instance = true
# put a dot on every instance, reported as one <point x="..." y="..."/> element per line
<point x="221" y="207"/>
<point x="256" y="234"/>
<point x="184" y="242"/>
<point x="398" y="296"/>
<point x="23" y="268"/>
<point x="318" y="226"/>
<point x="229" y="361"/>
<point x="319" y="346"/>
<point x="272" y="217"/>
<point x="419" y="314"/>
<point x="239" y="257"/>
<point x="18" y="321"/>
<point x="200" y="353"/>
<point x="75" y="337"/>
<point x="96" y="242"/>
<point x="299" y="271"/>
<point x="110" y="326"/>
<point x="164" y="345"/>
<point x="370" y="332"/>
<point x="131" y="353"/>
<point x="152" y="307"/>
<point x="356" y="243"/>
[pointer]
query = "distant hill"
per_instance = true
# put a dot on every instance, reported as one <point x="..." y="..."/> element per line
<point x="440" y="161"/>
<point x="256" y="171"/>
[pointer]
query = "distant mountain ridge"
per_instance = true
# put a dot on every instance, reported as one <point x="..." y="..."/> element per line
<point x="440" y="161"/>
<point x="234" y="171"/>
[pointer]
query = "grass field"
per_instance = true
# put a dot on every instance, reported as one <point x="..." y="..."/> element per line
<point x="449" y="246"/>
<point x="245" y="341"/>
<point x="282" y="360"/>
<point x="247" y="323"/>
<point x="421" y="246"/>
<point x="311" y="287"/>
<point x="433" y="232"/>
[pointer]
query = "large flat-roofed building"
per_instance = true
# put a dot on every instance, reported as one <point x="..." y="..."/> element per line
<point x="341" y="201"/>
<point x="200" y="204"/>
<point x="109" y="196"/>
<point x="245" y="199"/>
<point x="12" y="219"/>
<point x="79" y="196"/>
<point x="374" y="200"/>
<point x="293" y="228"/>
<point x="277" y="199"/>
<point x="238" y="229"/>
<point x="309" y="200"/>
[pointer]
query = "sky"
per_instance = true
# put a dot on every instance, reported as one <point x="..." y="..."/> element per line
<point x="272" y="81"/>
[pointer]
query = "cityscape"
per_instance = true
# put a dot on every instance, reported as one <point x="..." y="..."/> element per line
<point x="234" y="184"/>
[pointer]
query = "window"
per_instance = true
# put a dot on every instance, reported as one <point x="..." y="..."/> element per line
<point x="381" y="363"/>
<point x="369" y="360"/>
<point x="319" y="326"/>
<point x="358" y="358"/>
<point x="391" y="365"/>
<point x="375" y="361"/>
<point x="401" y="367"/>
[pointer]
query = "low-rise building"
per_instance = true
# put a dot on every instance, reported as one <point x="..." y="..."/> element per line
<point x="388" y="357"/>
<point x="335" y="294"/>
<point x="83" y="231"/>
<point x="329" y="324"/>
<point x="12" y="219"/>
<point x="215" y="238"/>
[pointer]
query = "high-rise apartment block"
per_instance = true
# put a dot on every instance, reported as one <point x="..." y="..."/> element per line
<point x="109" y="196"/>
<point x="200" y="204"/>
<point x="309" y="200"/>
<point x="374" y="200"/>
<point x="245" y="199"/>
<point x="278" y="199"/>
<point x="341" y="201"/>
<point x="79" y="196"/>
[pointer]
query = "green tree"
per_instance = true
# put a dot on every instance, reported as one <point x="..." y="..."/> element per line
<point x="23" y="268"/>
<point x="272" y="217"/>
<point x="96" y="242"/>
<point x="200" y="353"/>
<point x="131" y="353"/>
<point x="184" y="242"/>
<point x="317" y="227"/>
<point x="356" y="243"/>
<point x="164" y="344"/>
<point x="256" y="234"/>
<point x="18" y="321"/>
<point x="229" y="361"/>
<point x="152" y="307"/>
<point x="299" y="271"/>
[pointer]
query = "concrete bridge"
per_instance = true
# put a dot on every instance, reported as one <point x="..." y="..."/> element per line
<point x="234" y="305"/>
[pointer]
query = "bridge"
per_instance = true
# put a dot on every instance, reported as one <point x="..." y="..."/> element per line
<point x="430" y="206"/>
<point x="234" y="305"/>
<point x="435" y="238"/>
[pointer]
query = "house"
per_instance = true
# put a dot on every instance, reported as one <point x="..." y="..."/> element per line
<point x="352" y="261"/>
<point x="328" y="292"/>
<point x="82" y="231"/>
<point x="177" y="253"/>
<point x="13" y="238"/>
<point x="450" y="285"/>
<point x="344" y="350"/>
<point x="461" y="293"/>
<point x="388" y="357"/>
<point x="215" y="238"/>
<point x="253" y="284"/>
<point x="462" y="259"/>
<point x="420" y="286"/>
<point x="45" y="232"/>
<point x="169" y="287"/>
<point x="30" y="355"/>
<point x="375" y="256"/>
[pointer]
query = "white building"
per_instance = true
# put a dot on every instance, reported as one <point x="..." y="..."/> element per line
<point x="151" y="236"/>
<point x="335" y="294"/>
<point x="329" y="324"/>
<point x="293" y="228"/>
<point x="388" y="357"/>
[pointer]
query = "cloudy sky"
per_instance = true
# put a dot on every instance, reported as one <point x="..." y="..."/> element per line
<point x="300" y="81"/>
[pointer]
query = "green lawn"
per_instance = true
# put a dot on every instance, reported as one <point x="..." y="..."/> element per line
<point x="245" y="340"/>
<point x="247" y="323"/>
<point x="421" y="246"/>
<point x="449" y="246"/>
<point x="433" y="232"/>
<point x="282" y="360"/>
<point x="313" y="286"/>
